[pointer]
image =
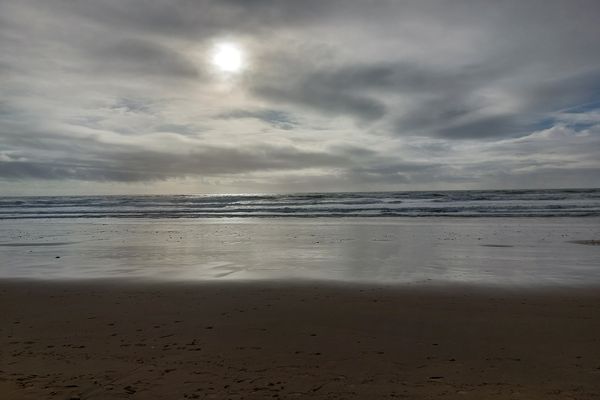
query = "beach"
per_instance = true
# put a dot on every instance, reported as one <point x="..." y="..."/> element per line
<point x="328" y="200"/>
<point x="319" y="308"/>
<point x="515" y="252"/>
<point x="112" y="340"/>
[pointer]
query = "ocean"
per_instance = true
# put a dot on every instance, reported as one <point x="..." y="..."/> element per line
<point x="472" y="203"/>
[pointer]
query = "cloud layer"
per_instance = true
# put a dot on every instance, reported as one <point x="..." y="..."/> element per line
<point x="120" y="96"/>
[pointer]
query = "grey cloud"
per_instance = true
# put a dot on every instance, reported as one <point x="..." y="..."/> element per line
<point x="486" y="127"/>
<point x="181" y="129"/>
<point x="443" y="102"/>
<point x="324" y="99"/>
<point x="543" y="177"/>
<point x="393" y="173"/>
<point x="130" y="165"/>
<point x="404" y="77"/>
<point x="570" y="90"/>
<point x="135" y="57"/>
<point x="429" y="115"/>
<point x="276" y="118"/>
<point x="355" y="89"/>
<point x="132" y="105"/>
<point x="435" y="93"/>
<point x="464" y="114"/>
<point x="392" y="176"/>
<point x="199" y="18"/>
<point x="215" y="161"/>
<point x="445" y="99"/>
<point x="24" y="170"/>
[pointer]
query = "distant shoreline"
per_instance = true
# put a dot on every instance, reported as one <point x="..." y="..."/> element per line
<point x="17" y="195"/>
<point x="467" y="203"/>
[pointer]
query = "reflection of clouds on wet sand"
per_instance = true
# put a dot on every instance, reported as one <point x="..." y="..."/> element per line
<point x="588" y="242"/>
<point x="223" y="269"/>
<point x="532" y="251"/>
<point x="35" y="244"/>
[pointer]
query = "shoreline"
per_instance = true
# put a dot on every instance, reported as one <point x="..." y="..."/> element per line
<point x="482" y="251"/>
<point x="291" y="339"/>
<point x="425" y="286"/>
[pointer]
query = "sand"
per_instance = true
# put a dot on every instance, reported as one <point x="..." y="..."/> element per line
<point x="107" y="340"/>
<point x="507" y="251"/>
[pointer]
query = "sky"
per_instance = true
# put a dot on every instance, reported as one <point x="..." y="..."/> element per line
<point x="131" y="96"/>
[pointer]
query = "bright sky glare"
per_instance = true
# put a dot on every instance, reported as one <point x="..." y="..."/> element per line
<point x="228" y="57"/>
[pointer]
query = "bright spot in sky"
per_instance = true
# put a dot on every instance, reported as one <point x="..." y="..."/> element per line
<point x="228" y="57"/>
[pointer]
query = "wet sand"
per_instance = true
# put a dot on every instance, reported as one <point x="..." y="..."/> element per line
<point x="506" y="251"/>
<point x="108" y="340"/>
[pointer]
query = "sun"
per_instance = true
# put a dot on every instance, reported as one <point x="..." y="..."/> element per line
<point x="228" y="58"/>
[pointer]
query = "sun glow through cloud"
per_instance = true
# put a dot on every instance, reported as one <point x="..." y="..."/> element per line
<point x="277" y="96"/>
<point x="228" y="57"/>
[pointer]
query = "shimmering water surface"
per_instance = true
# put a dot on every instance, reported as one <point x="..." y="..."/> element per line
<point x="475" y="203"/>
<point x="504" y="251"/>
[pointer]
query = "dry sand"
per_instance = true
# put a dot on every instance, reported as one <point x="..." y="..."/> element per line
<point x="283" y="340"/>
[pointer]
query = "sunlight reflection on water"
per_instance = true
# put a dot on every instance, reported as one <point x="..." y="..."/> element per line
<point x="498" y="251"/>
